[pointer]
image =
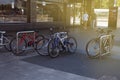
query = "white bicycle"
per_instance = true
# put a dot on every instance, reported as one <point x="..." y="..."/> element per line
<point x="5" y="40"/>
<point x="101" y="45"/>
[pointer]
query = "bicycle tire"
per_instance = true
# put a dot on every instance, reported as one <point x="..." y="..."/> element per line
<point x="38" y="38"/>
<point x="21" y="47"/>
<point x="71" y="44"/>
<point x="92" y="48"/>
<point x="53" y="49"/>
<point x="41" y="47"/>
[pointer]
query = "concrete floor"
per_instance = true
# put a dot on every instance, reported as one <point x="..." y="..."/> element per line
<point x="13" y="68"/>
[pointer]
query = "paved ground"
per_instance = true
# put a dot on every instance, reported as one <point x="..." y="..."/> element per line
<point x="66" y="67"/>
<point x="14" y="68"/>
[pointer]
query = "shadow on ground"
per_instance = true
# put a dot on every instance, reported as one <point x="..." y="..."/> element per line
<point x="79" y="64"/>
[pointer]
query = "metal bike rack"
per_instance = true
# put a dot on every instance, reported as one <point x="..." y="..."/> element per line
<point x="109" y="37"/>
<point x="23" y="32"/>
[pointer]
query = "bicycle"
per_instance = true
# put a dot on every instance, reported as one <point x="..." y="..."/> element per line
<point x="101" y="45"/>
<point x="42" y="45"/>
<point x="5" y="40"/>
<point x="61" y="42"/>
<point x="24" y="41"/>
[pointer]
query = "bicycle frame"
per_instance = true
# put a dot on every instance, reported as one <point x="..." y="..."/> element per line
<point x="27" y="36"/>
<point x="57" y="35"/>
<point x="50" y="37"/>
<point x="3" y="37"/>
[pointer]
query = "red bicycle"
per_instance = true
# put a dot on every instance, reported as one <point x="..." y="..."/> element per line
<point x="24" y="41"/>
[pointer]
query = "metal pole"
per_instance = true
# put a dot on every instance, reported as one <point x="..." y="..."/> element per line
<point x="115" y="3"/>
<point x="28" y="11"/>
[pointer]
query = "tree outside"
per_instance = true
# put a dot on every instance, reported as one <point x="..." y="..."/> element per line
<point x="105" y="3"/>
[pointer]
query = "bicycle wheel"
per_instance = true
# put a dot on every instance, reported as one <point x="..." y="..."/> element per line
<point x="53" y="48"/>
<point x="92" y="48"/>
<point x="6" y="41"/>
<point x="38" y="38"/>
<point x="22" y="44"/>
<point x="71" y="44"/>
<point x="41" y="47"/>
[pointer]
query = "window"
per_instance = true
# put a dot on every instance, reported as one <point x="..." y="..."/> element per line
<point x="49" y="11"/>
<point x="74" y="13"/>
<point x="102" y="17"/>
<point x="13" y="11"/>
